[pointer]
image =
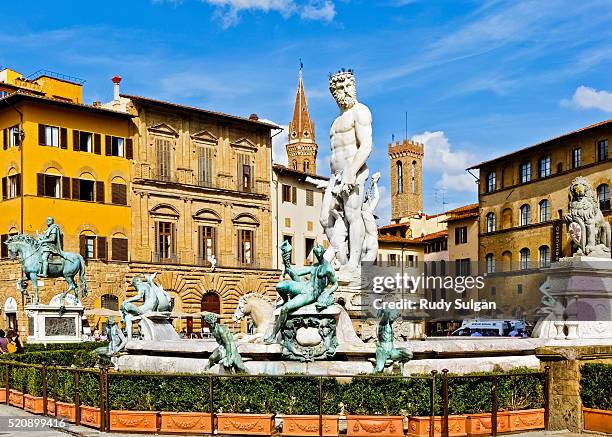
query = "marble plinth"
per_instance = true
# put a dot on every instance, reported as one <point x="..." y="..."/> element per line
<point x="582" y="289"/>
<point x="55" y="323"/>
<point x="155" y="326"/>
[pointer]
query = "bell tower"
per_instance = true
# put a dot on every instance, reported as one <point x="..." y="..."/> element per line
<point x="406" y="161"/>
<point x="301" y="148"/>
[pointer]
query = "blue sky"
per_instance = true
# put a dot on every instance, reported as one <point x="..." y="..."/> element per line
<point x="477" y="79"/>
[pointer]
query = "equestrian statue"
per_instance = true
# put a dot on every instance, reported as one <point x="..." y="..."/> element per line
<point x="44" y="257"/>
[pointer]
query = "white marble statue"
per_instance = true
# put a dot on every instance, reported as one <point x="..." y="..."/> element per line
<point x="343" y="212"/>
<point x="587" y="226"/>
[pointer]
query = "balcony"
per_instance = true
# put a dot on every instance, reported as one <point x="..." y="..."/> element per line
<point x="165" y="258"/>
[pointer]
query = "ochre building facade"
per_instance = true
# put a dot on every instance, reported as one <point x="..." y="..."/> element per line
<point x="523" y="197"/>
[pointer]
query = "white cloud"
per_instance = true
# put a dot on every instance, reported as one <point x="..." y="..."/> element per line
<point x="319" y="10"/>
<point x="229" y="10"/>
<point x="383" y="209"/>
<point x="589" y="98"/>
<point x="451" y="164"/>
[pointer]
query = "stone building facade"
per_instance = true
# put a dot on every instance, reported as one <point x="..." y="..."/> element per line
<point x="201" y="205"/>
<point x="523" y="197"/>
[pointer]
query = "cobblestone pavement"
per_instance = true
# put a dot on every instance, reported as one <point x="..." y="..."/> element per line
<point x="19" y="417"/>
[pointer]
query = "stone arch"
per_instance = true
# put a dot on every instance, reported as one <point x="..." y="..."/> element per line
<point x="52" y="165"/>
<point x="207" y="215"/>
<point x="165" y="210"/>
<point x="87" y="170"/>
<point x="246" y="219"/>
<point x="118" y="174"/>
<point x="85" y="227"/>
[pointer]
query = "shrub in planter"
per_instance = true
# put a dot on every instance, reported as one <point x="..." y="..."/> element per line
<point x="133" y="421"/>
<point x="595" y="383"/>
<point x="89" y="392"/>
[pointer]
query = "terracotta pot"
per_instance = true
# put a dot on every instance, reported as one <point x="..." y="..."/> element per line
<point x="184" y="423"/>
<point x="33" y="404"/>
<point x="597" y="420"/>
<point x="50" y="407"/>
<point x="66" y="410"/>
<point x="420" y="425"/>
<point x="90" y="416"/>
<point x="16" y="398"/>
<point x="2" y="395"/>
<point x="245" y="424"/>
<point x="375" y="425"/>
<point x="138" y="421"/>
<point x="526" y="419"/>
<point x="480" y="424"/>
<point x="308" y="425"/>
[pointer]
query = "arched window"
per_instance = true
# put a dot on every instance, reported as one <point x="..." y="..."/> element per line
<point x="603" y="196"/>
<point x="491" y="222"/>
<point x="413" y="172"/>
<point x="400" y="177"/>
<point x="211" y="303"/>
<point x="525" y="259"/>
<point x="576" y="157"/>
<point x="490" y="261"/>
<point x="544" y="211"/>
<point x="110" y="302"/>
<point x="507" y="261"/>
<point x="544" y="256"/>
<point x="491" y="182"/>
<point x="525" y="172"/>
<point x="525" y="215"/>
<point x="306" y="166"/>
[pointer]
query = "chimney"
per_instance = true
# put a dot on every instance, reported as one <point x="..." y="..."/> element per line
<point x="116" y="80"/>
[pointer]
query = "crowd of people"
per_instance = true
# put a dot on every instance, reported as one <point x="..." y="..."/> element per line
<point x="10" y="343"/>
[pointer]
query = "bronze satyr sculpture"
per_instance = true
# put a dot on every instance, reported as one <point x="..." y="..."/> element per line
<point x="227" y="353"/>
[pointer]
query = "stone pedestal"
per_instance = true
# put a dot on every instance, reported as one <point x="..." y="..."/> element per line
<point x="156" y="326"/>
<point x="582" y="289"/>
<point x="54" y="324"/>
<point x="310" y="334"/>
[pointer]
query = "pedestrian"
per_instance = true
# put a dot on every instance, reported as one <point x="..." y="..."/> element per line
<point x="3" y="342"/>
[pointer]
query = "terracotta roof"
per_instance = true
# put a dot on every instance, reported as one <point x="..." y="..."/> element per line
<point x="433" y="236"/>
<point x="526" y="149"/>
<point x="203" y="111"/>
<point x="464" y="209"/>
<point x="395" y="225"/>
<point x="397" y="239"/>
<point x="463" y="212"/>
<point x="284" y="168"/>
<point x="22" y="95"/>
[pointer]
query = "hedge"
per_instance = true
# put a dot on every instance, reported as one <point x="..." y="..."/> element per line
<point x="293" y="394"/>
<point x="596" y="386"/>
<point x="86" y="345"/>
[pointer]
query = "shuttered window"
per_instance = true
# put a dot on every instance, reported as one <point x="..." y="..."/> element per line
<point x="119" y="249"/>
<point x="205" y="156"/>
<point x="309" y="198"/>
<point x="3" y="247"/>
<point x="162" y="148"/>
<point x="52" y="186"/>
<point x="11" y="186"/>
<point x="207" y="244"/>
<point x="245" y="173"/>
<point x="52" y="136"/>
<point x="100" y="192"/>
<point x="102" y="248"/>
<point x="87" y="246"/>
<point x="119" y="194"/>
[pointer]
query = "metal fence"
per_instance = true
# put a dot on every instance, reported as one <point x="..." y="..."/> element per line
<point x="439" y="395"/>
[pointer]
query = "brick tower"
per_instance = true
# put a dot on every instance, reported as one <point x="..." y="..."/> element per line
<point x="406" y="161"/>
<point x="301" y="148"/>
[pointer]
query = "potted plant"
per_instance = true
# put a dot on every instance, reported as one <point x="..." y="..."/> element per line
<point x="375" y="405"/>
<point x="245" y="406"/>
<point x="90" y="397"/>
<point x="16" y="398"/>
<point x="32" y="399"/>
<point x="184" y="409"/>
<point x="298" y="402"/>
<point x="132" y="404"/>
<point x="63" y="393"/>
<point x="595" y="382"/>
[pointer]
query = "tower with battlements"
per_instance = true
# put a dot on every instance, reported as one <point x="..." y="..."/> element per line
<point x="302" y="148"/>
<point x="406" y="161"/>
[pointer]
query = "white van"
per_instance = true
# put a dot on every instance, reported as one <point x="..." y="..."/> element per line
<point x="489" y="328"/>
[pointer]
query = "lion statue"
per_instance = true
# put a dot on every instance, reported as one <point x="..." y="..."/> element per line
<point x="588" y="228"/>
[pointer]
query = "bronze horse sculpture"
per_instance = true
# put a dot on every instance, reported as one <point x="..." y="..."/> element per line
<point x="28" y="250"/>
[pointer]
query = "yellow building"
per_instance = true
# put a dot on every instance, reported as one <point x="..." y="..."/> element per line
<point x="71" y="161"/>
<point x="523" y="197"/>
